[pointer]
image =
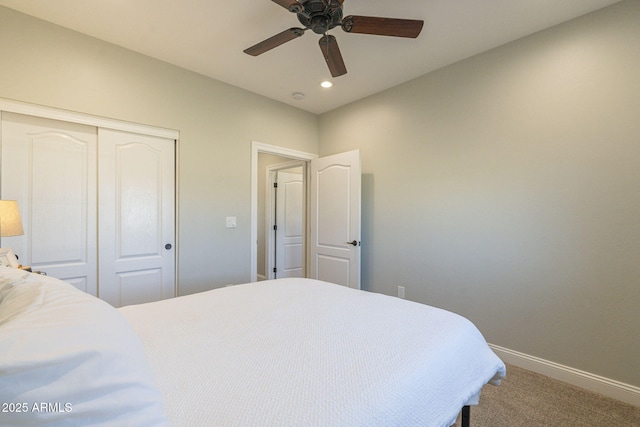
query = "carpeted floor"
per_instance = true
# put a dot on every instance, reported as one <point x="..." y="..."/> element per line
<point x="528" y="399"/>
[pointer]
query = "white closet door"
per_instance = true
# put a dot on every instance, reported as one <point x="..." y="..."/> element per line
<point x="49" y="167"/>
<point x="136" y="178"/>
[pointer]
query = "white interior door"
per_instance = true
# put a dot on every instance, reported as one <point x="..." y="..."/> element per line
<point x="290" y="224"/>
<point x="335" y="219"/>
<point x="136" y="217"/>
<point x="49" y="167"/>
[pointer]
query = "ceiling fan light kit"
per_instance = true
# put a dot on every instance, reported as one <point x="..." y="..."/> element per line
<point x="321" y="16"/>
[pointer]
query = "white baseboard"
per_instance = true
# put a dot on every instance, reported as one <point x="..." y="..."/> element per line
<point x="605" y="386"/>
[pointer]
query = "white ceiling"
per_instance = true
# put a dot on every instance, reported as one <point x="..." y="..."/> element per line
<point x="209" y="36"/>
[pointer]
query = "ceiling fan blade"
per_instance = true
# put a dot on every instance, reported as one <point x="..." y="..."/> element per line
<point x="275" y="41"/>
<point x="290" y="5"/>
<point x="331" y="52"/>
<point x="410" y="28"/>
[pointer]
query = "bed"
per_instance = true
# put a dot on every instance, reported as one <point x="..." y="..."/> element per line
<point x="286" y="352"/>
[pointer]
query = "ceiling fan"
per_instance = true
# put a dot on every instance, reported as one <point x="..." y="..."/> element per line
<point x="321" y="16"/>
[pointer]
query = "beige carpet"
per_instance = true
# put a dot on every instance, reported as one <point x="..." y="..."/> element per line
<point x="528" y="399"/>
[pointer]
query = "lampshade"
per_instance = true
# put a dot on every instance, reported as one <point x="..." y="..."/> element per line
<point x="10" y="224"/>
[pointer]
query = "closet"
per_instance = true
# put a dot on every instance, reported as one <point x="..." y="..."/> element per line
<point x="97" y="204"/>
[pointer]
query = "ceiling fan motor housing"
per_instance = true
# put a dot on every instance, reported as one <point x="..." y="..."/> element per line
<point x="318" y="17"/>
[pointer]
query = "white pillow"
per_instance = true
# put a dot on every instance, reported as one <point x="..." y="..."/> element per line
<point x="67" y="358"/>
<point x="10" y="276"/>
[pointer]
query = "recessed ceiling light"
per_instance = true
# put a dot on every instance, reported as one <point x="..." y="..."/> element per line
<point x="326" y="84"/>
<point x="298" y="96"/>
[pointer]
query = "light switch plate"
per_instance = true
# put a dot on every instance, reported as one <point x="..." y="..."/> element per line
<point x="401" y="292"/>
<point x="231" y="222"/>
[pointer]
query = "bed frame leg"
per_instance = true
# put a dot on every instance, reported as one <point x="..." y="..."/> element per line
<point x="466" y="416"/>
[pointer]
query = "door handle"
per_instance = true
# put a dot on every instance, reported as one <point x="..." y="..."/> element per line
<point x="354" y="243"/>
<point x="168" y="246"/>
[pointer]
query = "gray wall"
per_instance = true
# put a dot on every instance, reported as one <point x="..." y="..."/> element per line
<point x="507" y="188"/>
<point x="47" y="65"/>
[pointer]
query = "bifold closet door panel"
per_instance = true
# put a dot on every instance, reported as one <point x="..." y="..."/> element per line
<point x="136" y="186"/>
<point x="49" y="167"/>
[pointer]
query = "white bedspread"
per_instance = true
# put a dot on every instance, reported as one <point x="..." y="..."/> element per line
<point x="296" y="352"/>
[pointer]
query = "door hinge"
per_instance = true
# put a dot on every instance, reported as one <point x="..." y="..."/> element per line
<point x="275" y="270"/>
<point x="275" y="228"/>
<point x="275" y="185"/>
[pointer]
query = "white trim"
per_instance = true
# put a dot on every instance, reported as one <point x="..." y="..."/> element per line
<point x="85" y="119"/>
<point x="257" y="148"/>
<point x="176" y="216"/>
<point x="595" y="383"/>
<point x="269" y="220"/>
<point x="282" y="151"/>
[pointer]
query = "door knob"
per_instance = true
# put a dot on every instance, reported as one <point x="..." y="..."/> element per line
<point x="168" y="246"/>
<point x="354" y="243"/>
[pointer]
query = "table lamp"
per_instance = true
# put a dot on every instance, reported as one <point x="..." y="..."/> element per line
<point x="10" y="224"/>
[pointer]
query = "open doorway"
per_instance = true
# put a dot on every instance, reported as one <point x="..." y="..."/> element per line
<point x="278" y="158"/>
<point x="334" y="221"/>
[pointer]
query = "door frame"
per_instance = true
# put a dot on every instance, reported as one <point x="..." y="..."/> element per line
<point x="270" y="217"/>
<point x="12" y="106"/>
<point x="256" y="149"/>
